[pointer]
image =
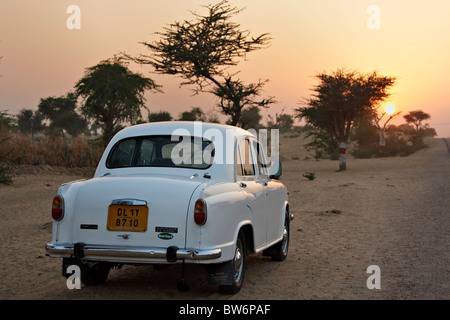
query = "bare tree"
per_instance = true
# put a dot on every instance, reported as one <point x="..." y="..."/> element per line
<point x="382" y="127"/>
<point x="202" y="50"/>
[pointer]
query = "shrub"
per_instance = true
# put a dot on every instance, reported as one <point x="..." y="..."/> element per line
<point x="309" y="175"/>
<point x="323" y="145"/>
<point x="5" y="167"/>
<point x="335" y="211"/>
<point x="401" y="140"/>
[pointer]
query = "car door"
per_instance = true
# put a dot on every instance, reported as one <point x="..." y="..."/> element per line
<point x="272" y="193"/>
<point x="246" y="177"/>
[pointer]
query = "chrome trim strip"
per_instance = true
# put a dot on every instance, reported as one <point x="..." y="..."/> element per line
<point x="130" y="252"/>
<point x="129" y="202"/>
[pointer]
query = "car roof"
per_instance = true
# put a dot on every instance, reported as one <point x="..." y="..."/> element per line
<point x="223" y="136"/>
<point x="193" y="128"/>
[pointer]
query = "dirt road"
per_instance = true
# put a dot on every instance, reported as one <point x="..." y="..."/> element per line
<point x="389" y="212"/>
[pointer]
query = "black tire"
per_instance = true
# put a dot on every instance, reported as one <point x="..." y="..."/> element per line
<point x="96" y="274"/>
<point x="90" y="274"/>
<point x="279" y="251"/>
<point x="238" y="269"/>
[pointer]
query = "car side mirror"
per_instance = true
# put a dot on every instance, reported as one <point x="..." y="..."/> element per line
<point x="275" y="170"/>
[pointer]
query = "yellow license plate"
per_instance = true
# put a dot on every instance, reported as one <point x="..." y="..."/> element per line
<point x="127" y="218"/>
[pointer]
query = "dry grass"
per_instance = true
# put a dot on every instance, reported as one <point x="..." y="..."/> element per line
<point x="57" y="151"/>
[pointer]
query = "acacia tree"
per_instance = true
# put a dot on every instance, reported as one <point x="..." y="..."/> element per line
<point x="282" y="121"/>
<point x="202" y="50"/>
<point x="61" y="112"/>
<point x="159" y="116"/>
<point x="250" y="118"/>
<point x="416" y="117"/>
<point x="30" y="121"/>
<point x="195" y="114"/>
<point x="112" y="95"/>
<point x="341" y="98"/>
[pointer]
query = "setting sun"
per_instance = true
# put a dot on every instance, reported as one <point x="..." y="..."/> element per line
<point x="389" y="109"/>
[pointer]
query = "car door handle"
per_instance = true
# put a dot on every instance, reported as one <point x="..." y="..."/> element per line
<point x="266" y="184"/>
<point x="242" y="185"/>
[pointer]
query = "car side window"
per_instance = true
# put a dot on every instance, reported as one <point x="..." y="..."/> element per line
<point x="244" y="160"/>
<point x="261" y="162"/>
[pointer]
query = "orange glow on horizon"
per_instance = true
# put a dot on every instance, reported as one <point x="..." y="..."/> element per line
<point x="42" y="57"/>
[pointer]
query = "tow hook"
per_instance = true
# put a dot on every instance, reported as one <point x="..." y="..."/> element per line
<point x="78" y="250"/>
<point x="171" y="254"/>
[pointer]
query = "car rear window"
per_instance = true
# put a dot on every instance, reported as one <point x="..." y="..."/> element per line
<point x="161" y="151"/>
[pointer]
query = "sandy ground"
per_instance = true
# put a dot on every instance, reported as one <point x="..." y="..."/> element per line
<point x="390" y="212"/>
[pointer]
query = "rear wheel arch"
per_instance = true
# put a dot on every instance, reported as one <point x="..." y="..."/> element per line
<point x="285" y="212"/>
<point x="247" y="232"/>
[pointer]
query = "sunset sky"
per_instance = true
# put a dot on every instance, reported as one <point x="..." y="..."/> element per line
<point x="42" y="57"/>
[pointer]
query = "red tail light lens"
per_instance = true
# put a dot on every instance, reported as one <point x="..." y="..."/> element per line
<point x="58" y="208"/>
<point x="200" y="212"/>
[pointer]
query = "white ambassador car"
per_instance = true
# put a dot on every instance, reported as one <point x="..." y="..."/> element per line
<point x="174" y="192"/>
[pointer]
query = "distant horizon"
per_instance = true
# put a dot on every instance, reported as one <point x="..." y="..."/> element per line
<point x="45" y="49"/>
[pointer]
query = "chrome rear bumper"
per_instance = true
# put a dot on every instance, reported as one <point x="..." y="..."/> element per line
<point x="128" y="254"/>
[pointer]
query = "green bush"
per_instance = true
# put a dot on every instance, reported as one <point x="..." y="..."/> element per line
<point x="365" y="151"/>
<point x="5" y="174"/>
<point x="401" y="140"/>
<point x="309" y="175"/>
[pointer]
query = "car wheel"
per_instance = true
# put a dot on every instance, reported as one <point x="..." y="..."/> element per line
<point x="238" y="267"/>
<point x="96" y="274"/>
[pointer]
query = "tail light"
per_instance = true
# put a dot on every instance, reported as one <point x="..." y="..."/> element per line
<point x="58" y="208"/>
<point x="200" y="212"/>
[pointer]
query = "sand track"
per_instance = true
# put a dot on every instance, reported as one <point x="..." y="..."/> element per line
<point x="389" y="212"/>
